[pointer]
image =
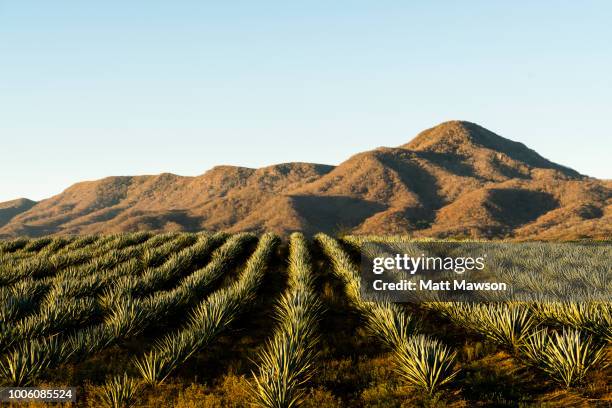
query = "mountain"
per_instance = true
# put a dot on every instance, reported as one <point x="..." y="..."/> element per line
<point x="455" y="179"/>
<point x="10" y="209"/>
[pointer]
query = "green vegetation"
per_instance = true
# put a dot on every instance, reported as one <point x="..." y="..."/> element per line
<point x="236" y="320"/>
<point x="566" y="356"/>
<point x="289" y="358"/>
<point x="421" y="361"/>
<point x="506" y="324"/>
<point x="208" y="320"/>
<point x="119" y="392"/>
<point x="425" y="363"/>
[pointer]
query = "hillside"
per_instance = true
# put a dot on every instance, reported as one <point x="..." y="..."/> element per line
<point x="456" y="179"/>
<point x="10" y="209"/>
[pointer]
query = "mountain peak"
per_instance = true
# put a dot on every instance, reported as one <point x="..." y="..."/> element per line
<point x="459" y="134"/>
<point x="467" y="138"/>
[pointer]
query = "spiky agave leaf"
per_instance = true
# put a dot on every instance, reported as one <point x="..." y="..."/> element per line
<point x="506" y="324"/>
<point x="119" y="392"/>
<point x="425" y="363"/>
<point x="390" y="324"/>
<point x="23" y="365"/>
<point x="154" y="367"/>
<point x="566" y="357"/>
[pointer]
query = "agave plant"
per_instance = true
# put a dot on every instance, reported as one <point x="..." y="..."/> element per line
<point x="286" y="365"/>
<point x="24" y="364"/>
<point x="89" y="340"/>
<point x="506" y="324"/>
<point x="119" y="392"/>
<point x="20" y="299"/>
<point x="390" y="324"/>
<point x="154" y="367"/>
<point x="127" y="318"/>
<point x="425" y="363"/>
<point x="566" y="357"/>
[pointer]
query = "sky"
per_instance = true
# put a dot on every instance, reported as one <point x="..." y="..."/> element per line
<point x="99" y="88"/>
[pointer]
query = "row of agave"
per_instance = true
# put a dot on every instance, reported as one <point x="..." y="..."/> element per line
<point x="210" y="318"/>
<point x="24" y="297"/>
<point x="70" y="302"/>
<point x="287" y="361"/>
<point x="128" y="317"/>
<point x="153" y="279"/>
<point x="423" y="362"/>
<point x="20" y="249"/>
<point x="23" y="247"/>
<point x="43" y="264"/>
<point x="566" y="356"/>
<point x="159" y="306"/>
<point x="60" y="317"/>
<point x="7" y="247"/>
<point x="591" y="317"/>
<point x="84" y="282"/>
<point x="20" y="300"/>
<point x="74" y="284"/>
<point x="207" y="320"/>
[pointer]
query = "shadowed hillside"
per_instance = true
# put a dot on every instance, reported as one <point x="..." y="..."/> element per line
<point x="456" y="179"/>
<point x="10" y="209"/>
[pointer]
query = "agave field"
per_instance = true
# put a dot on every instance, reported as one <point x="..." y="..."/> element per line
<point x="239" y="320"/>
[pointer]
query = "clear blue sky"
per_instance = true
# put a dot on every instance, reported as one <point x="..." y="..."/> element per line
<point x="96" y="88"/>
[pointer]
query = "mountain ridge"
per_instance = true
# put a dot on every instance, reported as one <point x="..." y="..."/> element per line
<point x="454" y="179"/>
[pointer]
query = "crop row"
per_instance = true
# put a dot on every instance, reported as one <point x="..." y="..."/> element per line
<point x="23" y="247"/>
<point x="71" y="302"/>
<point x="287" y="360"/>
<point x="420" y="360"/>
<point x="129" y="317"/>
<point x="41" y="265"/>
<point x="55" y="248"/>
<point x="210" y="318"/>
<point x="565" y="356"/>
<point x="24" y="297"/>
